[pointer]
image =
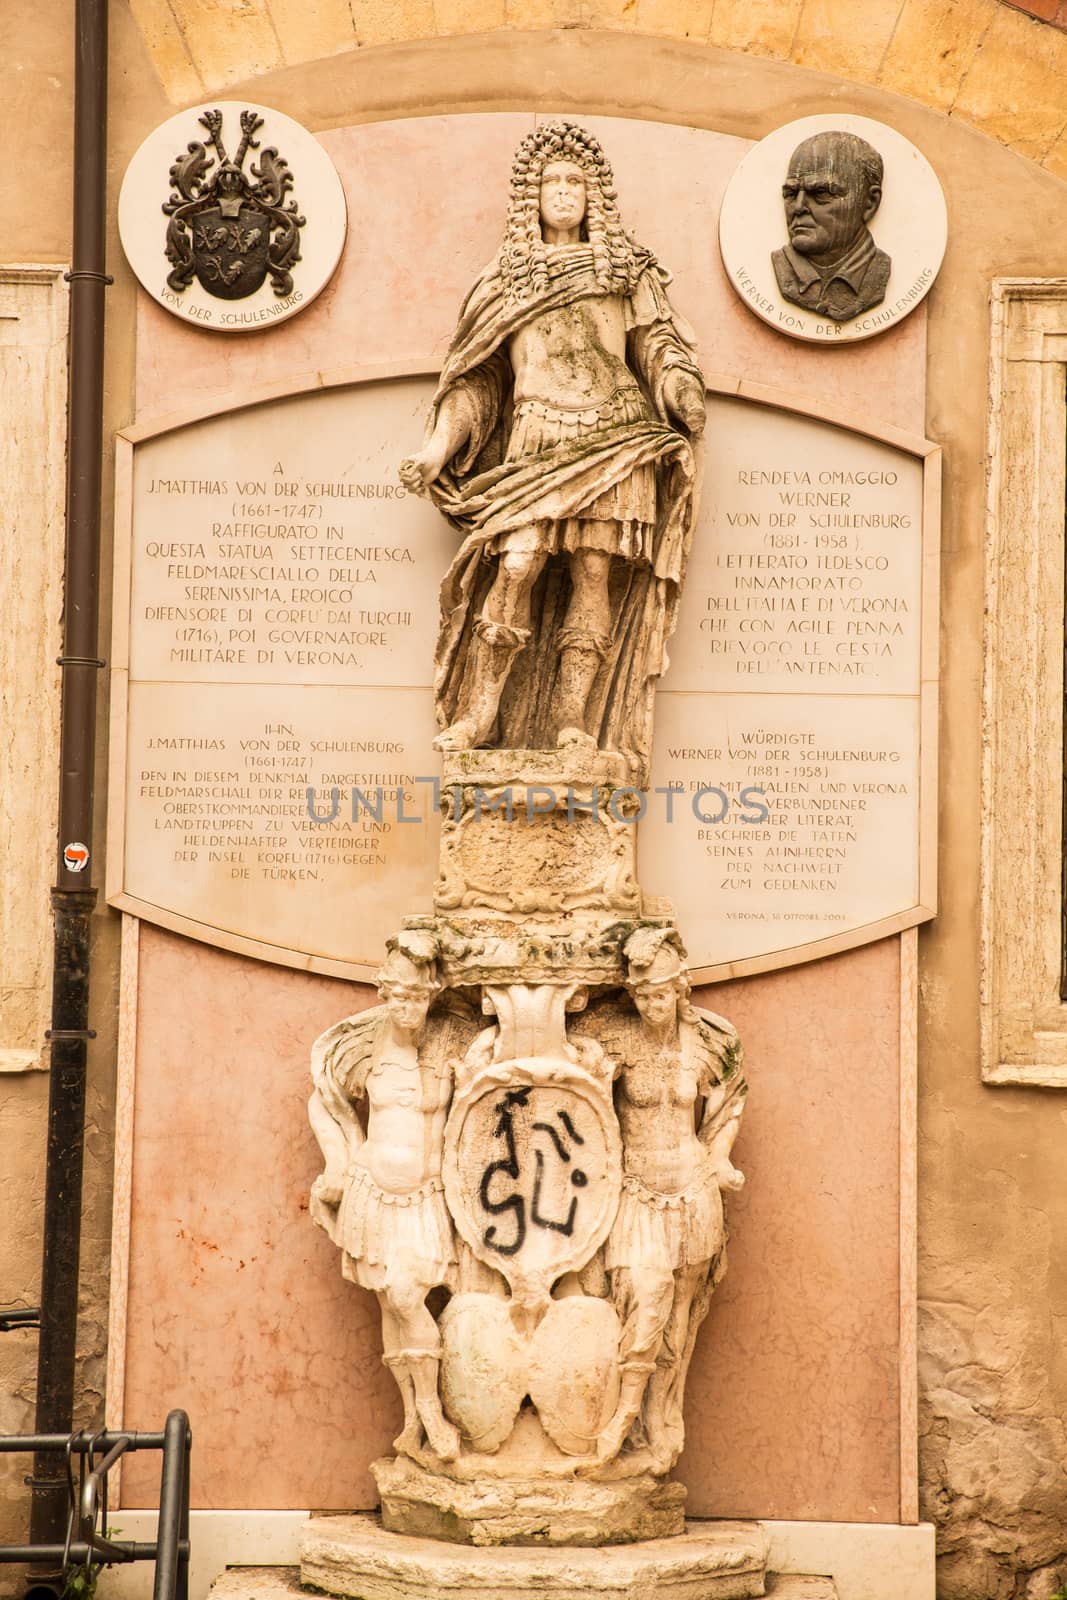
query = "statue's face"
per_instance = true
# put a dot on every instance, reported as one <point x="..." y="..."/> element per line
<point x="656" y="1000"/>
<point x="562" y="194"/>
<point x="828" y="198"/>
<point x="408" y="1003"/>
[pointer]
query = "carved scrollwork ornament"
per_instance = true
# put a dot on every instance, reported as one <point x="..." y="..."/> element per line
<point x="224" y="229"/>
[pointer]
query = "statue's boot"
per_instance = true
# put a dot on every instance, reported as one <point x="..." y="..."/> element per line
<point x="409" y="1440"/>
<point x="635" y="1376"/>
<point x="581" y="653"/>
<point x="493" y="649"/>
<point x="441" y="1436"/>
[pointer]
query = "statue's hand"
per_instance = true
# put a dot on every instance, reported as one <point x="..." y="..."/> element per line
<point x="416" y="472"/>
<point x="327" y="1189"/>
<point x="684" y="398"/>
<point x="728" y="1177"/>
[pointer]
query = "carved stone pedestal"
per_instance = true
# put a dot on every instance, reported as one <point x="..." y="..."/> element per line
<point x="353" y="1556"/>
<point x="538" y="831"/>
<point x="524" y="1510"/>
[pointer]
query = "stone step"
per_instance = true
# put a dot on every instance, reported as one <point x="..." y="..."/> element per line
<point x="258" y="1583"/>
<point x="356" y="1557"/>
<point x="792" y="1586"/>
<point x="283" y="1583"/>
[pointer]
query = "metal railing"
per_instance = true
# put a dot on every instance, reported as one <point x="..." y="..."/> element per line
<point x="87" y="1543"/>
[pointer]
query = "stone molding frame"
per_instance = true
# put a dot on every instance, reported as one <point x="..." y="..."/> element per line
<point x="33" y="381"/>
<point x="1023" y="1019"/>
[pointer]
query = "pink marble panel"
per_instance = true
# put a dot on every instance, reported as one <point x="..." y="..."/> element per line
<point x="238" y="1312"/>
<point x="793" y="1405"/>
<point x="426" y="198"/>
<point x="236" y="1304"/>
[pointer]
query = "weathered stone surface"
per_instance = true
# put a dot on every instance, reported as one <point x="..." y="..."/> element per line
<point x="283" y="1583"/>
<point x="469" y="16"/>
<point x="921" y="50"/>
<point x="354" y="1556"/>
<point x="794" y="1586"/>
<point x="759" y="27"/>
<point x="685" y="19"/>
<point x="933" y="47"/>
<point x="846" y="36"/>
<point x="383" y="21"/>
<point x="228" y="42"/>
<point x="258" y="1583"/>
<point x="993" y="1450"/>
<point x="308" y="32"/>
<point x="609" y="13"/>
<point x="168" y="48"/>
<point x="489" y="1510"/>
<point x="1012" y="90"/>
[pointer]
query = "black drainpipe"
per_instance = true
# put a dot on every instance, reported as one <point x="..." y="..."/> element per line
<point x="73" y="896"/>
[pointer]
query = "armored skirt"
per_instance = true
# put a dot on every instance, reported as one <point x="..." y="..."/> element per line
<point x="381" y="1232"/>
<point x="665" y="1232"/>
<point x="620" y="520"/>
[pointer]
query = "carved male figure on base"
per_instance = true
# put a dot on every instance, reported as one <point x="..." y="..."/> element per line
<point x="380" y="1197"/>
<point x="679" y="1098"/>
<point x="559" y="445"/>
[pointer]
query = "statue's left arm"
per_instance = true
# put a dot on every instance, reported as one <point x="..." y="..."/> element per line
<point x="663" y="352"/>
<point x="723" y="1086"/>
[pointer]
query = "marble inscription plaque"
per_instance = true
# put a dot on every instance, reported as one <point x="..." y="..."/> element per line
<point x="789" y="726"/>
<point x="278" y="618"/>
<point x="282" y="590"/>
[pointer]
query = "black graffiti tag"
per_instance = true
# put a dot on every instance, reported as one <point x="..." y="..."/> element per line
<point x="515" y="1202"/>
<point x="505" y="1128"/>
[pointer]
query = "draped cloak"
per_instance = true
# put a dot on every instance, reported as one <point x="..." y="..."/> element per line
<point x="484" y="495"/>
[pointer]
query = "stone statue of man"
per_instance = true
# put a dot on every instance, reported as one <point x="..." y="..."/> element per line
<point x="560" y="445"/>
<point x="831" y="264"/>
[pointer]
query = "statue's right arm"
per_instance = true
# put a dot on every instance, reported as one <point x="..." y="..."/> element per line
<point x="331" y="1109"/>
<point x="329" y="1185"/>
<point x="454" y="425"/>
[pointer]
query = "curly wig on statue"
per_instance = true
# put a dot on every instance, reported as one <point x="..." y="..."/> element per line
<point x="523" y="259"/>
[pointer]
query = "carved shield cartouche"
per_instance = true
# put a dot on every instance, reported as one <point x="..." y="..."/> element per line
<point x="230" y="253"/>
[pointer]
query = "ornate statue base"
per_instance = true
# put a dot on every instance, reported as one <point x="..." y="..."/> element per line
<point x="535" y="1193"/>
<point x="526" y="1509"/>
<point x="710" y="1561"/>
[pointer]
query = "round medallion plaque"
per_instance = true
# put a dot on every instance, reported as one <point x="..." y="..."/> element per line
<point x="833" y="228"/>
<point x="232" y="216"/>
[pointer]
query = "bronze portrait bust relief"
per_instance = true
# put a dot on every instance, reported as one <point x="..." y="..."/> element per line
<point x="831" y="265"/>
